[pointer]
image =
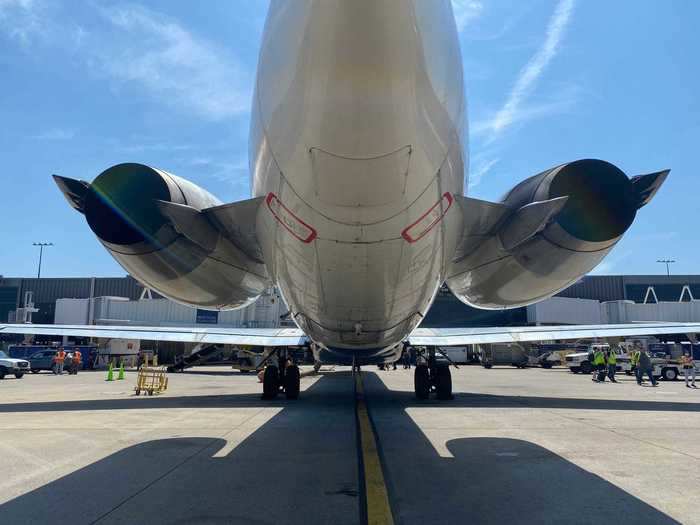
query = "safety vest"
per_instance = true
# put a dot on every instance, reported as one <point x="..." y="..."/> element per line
<point x="635" y="358"/>
<point x="77" y="356"/>
<point x="60" y="356"/>
<point x="599" y="358"/>
<point x="612" y="359"/>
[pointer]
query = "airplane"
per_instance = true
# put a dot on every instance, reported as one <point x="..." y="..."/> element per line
<point x="358" y="163"/>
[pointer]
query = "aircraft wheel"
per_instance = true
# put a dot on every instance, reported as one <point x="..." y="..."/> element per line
<point x="421" y="380"/>
<point x="443" y="382"/>
<point x="292" y="380"/>
<point x="270" y="382"/>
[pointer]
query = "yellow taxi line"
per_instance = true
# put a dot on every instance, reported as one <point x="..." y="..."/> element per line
<point x="376" y="494"/>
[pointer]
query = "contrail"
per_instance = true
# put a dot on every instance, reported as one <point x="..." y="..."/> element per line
<point x="534" y="68"/>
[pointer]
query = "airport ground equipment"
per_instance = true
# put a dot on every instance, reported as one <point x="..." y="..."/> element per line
<point x="200" y="354"/>
<point x="10" y="365"/>
<point x="151" y="380"/>
<point x="507" y="354"/>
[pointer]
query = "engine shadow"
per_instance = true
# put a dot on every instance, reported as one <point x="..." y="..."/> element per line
<point x="489" y="479"/>
<point x="301" y="467"/>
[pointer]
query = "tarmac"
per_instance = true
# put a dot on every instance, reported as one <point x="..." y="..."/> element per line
<point x="518" y="446"/>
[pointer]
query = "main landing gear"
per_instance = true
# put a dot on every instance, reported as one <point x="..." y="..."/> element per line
<point x="432" y="376"/>
<point x="281" y="375"/>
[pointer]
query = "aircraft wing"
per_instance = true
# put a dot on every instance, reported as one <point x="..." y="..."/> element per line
<point x="523" y="334"/>
<point x="232" y="336"/>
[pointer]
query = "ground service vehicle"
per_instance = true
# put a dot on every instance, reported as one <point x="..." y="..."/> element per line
<point x="10" y="365"/>
<point x="511" y="354"/>
<point x="580" y="361"/>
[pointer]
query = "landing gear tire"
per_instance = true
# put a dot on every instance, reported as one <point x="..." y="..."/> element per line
<point x="421" y="380"/>
<point x="271" y="382"/>
<point x="443" y="383"/>
<point x="292" y="380"/>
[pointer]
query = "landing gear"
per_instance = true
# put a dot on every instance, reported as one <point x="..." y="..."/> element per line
<point x="281" y="374"/>
<point x="431" y="376"/>
<point x="443" y="382"/>
<point x="271" y="382"/>
<point x="292" y="381"/>
<point x="421" y="380"/>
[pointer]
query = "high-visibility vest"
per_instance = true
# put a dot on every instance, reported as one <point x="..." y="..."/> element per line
<point x="612" y="359"/>
<point x="77" y="356"/>
<point x="60" y="356"/>
<point x="599" y="358"/>
<point x="635" y="358"/>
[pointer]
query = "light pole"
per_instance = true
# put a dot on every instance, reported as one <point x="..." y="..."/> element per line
<point x="41" y="253"/>
<point x="667" y="262"/>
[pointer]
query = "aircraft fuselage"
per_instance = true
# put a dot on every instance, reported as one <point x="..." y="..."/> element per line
<point x="357" y="146"/>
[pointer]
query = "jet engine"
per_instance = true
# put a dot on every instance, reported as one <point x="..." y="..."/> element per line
<point x="169" y="234"/>
<point x="548" y="231"/>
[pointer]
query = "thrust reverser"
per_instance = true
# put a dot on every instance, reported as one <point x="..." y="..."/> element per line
<point x="548" y="231"/>
<point x="172" y="235"/>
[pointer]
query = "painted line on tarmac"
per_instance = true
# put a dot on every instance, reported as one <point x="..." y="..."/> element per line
<point x="375" y="501"/>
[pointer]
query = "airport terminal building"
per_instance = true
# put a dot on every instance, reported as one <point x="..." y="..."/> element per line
<point x="122" y="300"/>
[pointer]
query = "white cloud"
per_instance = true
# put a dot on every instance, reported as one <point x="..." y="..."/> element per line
<point x="176" y="66"/>
<point x="138" y="47"/>
<point x="21" y="19"/>
<point x="466" y="11"/>
<point x="511" y="111"/>
<point x="566" y="98"/>
<point x="482" y="166"/>
<point x="55" y="134"/>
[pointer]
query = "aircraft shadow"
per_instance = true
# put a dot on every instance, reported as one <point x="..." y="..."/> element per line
<point x="301" y="467"/>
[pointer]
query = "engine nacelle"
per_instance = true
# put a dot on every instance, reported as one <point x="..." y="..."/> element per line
<point x="601" y="205"/>
<point x="123" y="208"/>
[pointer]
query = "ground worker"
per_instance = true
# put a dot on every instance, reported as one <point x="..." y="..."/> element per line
<point x="634" y="362"/>
<point x="406" y="358"/>
<point x="688" y="368"/>
<point x="599" y="366"/>
<point x="76" y="362"/>
<point x="59" y="359"/>
<point x="645" y="367"/>
<point x="611" y="359"/>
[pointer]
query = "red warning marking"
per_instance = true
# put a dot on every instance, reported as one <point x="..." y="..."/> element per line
<point x="291" y="222"/>
<point x="428" y="220"/>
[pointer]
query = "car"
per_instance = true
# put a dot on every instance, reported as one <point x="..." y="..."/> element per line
<point x="9" y="365"/>
<point x="43" y="360"/>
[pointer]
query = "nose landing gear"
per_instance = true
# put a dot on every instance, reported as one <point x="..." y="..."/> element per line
<point x="432" y="376"/>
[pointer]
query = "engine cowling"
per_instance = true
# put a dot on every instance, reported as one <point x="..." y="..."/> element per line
<point x="123" y="208"/>
<point x="601" y="204"/>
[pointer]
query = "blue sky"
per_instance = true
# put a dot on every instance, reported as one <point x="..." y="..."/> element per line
<point x="85" y="85"/>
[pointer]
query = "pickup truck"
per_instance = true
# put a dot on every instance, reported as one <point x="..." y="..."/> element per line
<point x="9" y="365"/>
